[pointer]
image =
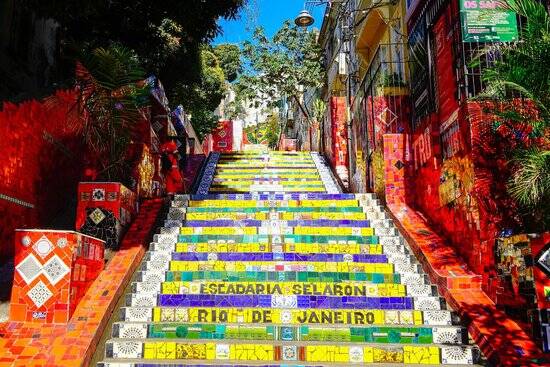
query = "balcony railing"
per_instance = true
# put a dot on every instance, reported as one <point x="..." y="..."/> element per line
<point x="378" y="103"/>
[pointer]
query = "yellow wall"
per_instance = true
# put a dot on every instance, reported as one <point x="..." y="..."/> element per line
<point x="375" y="29"/>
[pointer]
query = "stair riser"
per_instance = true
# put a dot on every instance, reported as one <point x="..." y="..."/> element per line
<point x="283" y="288"/>
<point x="325" y="353"/>
<point x="156" y="277"/>
<point x="400" y="335"/>
<point x="364" y="317"/>
<point x="287" y="302"/>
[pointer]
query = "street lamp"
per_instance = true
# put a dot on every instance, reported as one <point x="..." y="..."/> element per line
<point x="304" y="19"/>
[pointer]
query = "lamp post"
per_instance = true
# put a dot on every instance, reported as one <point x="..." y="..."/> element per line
<point x="304" y="19"/>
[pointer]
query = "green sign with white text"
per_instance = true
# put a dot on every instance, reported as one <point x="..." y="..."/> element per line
<point x="487" y="21"/>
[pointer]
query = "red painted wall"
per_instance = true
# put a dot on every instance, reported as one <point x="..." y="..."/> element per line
<point x="40" y="165"/>
<point x="339" y="133"/>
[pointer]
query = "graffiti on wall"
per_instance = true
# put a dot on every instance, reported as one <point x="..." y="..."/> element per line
<point x="514" y="267"/>
<point x="456" y="185"/>
<point x="422" y="148"/>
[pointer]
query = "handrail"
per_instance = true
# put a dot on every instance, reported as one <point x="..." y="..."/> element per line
<point x="198" y="177"/>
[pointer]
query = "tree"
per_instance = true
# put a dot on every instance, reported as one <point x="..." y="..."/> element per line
<point x="111" y="91"/>
<point x="165" y="35"/>
<point x="285" y="65"/>
<point x="523" y="70"/>
<point x="202" y="97"/>
<point x="229" y="56"/>
<point x="266" y="132"/>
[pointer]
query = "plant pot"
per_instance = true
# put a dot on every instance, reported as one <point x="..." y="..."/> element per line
<point x="392" y="91"/>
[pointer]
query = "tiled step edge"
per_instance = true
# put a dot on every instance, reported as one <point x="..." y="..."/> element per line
<point x="500" y="338"/>
<point x="331" y="185"/>
<point x="136" y="349"/>
<point x="94" y="310"/>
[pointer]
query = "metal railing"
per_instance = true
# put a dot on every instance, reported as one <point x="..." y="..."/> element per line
<point x="386" y="76"/>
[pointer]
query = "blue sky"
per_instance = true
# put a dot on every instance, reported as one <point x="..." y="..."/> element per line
<point x="267" y="13"/>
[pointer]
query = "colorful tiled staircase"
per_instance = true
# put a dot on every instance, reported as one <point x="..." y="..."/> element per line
<point x="269" y="265"/>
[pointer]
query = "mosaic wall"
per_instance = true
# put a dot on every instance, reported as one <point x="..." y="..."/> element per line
<point x="53" y="270"/>
<point x="104" y="209"/>
<point x="35" y="136"/>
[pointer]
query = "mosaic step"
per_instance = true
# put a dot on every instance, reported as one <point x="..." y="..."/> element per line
<point x="288" y="351"/>
<point x="255" y="269"/>
<point x="384" y="268"/>
<point x="284" y="288"/>
<point x="281" y="196"/>
<point x="172" y="238"/>
<point x="270" y="315"/>
<point x="289" y="276"/>
<point x="303" y="248"/>
<point x="346" y="334"/>
<point x="286" y="301"/>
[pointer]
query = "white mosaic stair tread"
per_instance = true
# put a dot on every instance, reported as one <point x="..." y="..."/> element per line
<point x="133" y="349"/>
<point x="327" y="177"/>
<point x="448" y="335"/>
<point x="381" y="223"/>
<point x="176" y="215"/>
<point x="430" y="317"/>
<point x="366" y="195"/>
<point x="173" y="223"/>
<point x="166" y="247"/>
<point x="179" y="204"/>
<point x="390" y="240"/>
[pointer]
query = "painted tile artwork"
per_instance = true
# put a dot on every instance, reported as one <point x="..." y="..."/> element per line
<point x="104" y="209"/>
<point x="269" y="264"/>
<point x="53" y="270"/>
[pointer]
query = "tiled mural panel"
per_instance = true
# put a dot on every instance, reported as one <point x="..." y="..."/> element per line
<point x="53" y="270"/>
<point x="104" y="209"/>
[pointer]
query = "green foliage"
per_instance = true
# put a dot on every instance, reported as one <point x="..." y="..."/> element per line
<point x="203" y="121"/>
<point x="286" y="64"/>
<point x="166" y="35"/>
<point x="267" y="132"/>
<point x="319" y="108"/>
<point x="392" y="80"/>
<point x="229" y="56"/>
<point x="106" y="113"/>
<point x="530" y="185"/>
<point x="523" y="71"/>
<point x="202" y="97"/>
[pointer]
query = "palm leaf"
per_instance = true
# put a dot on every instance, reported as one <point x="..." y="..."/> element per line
<point x="530" y="183"/>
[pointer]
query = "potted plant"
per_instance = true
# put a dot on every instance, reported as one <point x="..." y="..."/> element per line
<point x="392" y="84"/>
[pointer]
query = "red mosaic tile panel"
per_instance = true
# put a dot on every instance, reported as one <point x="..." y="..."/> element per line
<point x="73" y="344"/>
<point x="500" y="338"/>
<point x="112" y="196"/>
<point x="53" y="270"/>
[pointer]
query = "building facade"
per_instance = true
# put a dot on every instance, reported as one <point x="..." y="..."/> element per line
<point x="406" y="67"/>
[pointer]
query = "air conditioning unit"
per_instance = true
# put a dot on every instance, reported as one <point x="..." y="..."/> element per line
<point x="342" y="64"/>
